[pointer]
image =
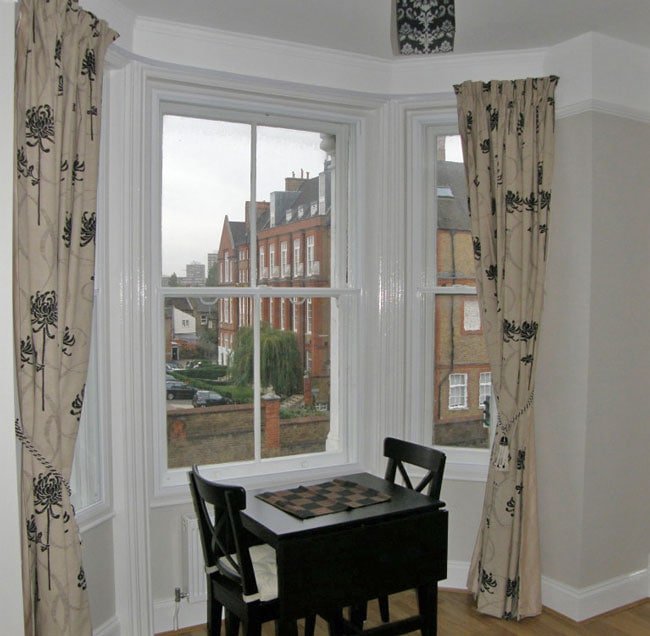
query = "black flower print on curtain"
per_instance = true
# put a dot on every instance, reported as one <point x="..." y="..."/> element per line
<point x="59" y="66"/>
<point x="508" y="130"/>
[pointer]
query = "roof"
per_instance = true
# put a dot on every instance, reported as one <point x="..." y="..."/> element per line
<point x="239" y="233"/>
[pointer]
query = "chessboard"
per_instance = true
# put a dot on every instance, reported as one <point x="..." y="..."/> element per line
<point x="337" y="495"/>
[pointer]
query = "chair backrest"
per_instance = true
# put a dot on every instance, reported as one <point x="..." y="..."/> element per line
<point x="400" y="452"/>
<point x="222" y="538"/>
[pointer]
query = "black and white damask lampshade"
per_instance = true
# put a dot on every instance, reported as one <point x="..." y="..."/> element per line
<point x="425" y="26"/>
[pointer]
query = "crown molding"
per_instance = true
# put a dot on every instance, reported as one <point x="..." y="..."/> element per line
<point x="250" y="55"/>
<point x="604" y="108"/>
<point x="597" y="73"/>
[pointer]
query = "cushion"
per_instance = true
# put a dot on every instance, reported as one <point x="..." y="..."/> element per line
<point x="265" y="568"/>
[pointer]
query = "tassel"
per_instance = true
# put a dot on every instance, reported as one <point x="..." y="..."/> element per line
<point x="502" y="458"/>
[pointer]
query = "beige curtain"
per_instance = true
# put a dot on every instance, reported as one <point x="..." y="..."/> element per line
<point x="507" y="130"/>
<point x="59" y="65"/>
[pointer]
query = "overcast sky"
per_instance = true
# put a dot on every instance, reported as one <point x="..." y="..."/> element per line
<point x="206" y="176"/>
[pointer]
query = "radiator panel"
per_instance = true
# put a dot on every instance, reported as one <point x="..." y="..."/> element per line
<point x="193" y="567"/>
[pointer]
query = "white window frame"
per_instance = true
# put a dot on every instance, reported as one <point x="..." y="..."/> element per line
<point x="296" y="255"/>
<point x="294" y="315"/>
<point x="283" y="311"/>
<point x="92" y="461"/>
<point x="484" y="387"/>
<point x="170" y="484"/>
<point x="284" y="258"/>
<point x="271" y="260"/>
<point x="310" y="252"/>
<point x="423" y="124"/>
<point x="458" y="399"/>
<point x="309" y="316"/>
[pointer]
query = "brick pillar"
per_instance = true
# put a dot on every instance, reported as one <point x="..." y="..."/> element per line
<point x="306" y="389"/>
<point x="271" y="408"/>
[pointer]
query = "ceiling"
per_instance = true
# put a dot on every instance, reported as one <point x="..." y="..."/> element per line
<point x="364" y="26"/>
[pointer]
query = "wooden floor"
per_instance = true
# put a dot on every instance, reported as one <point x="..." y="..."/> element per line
<point x="457" y="617"/>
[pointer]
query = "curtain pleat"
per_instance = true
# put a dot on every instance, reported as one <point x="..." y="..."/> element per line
<point x="507" y="130"/>
<point x="60" y="51"/>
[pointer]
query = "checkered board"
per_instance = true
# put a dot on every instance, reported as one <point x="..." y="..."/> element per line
<point x="323" y="499"/>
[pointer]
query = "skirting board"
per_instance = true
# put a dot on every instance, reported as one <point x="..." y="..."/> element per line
<point x="576" y="604"/>
<point x="581" y="604"/>
<point x="189" y="614"/>
<point x="110" y="628"/>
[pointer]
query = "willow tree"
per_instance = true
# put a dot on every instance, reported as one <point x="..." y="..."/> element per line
<point x="280" y="364"/>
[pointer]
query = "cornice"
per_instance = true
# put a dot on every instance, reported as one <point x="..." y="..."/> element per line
<point x="242" y="54"/>
<point x="597" y="73"/>
<point x="604" y="108"/>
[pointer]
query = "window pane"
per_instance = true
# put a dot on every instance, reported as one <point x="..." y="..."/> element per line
<point x="205" y="176"/>
<point x="460" y="365"/>
<point x="455" y="255"/>
<point x="295" y="370"/>
<point x="460" y="357"/>
<point x="294" y="189"/>
<point x="209" y="417"/>
<point x="209" y="378"/>
<point x="86" y="477"/>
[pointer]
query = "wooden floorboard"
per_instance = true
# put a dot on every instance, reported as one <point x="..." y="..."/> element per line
<point x="458" y="617"/>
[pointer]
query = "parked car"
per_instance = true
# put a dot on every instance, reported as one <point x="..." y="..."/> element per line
<point x="209" y="398"/>
<point x="179" y="390"/>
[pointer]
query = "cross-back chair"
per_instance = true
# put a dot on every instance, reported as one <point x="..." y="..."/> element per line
<point x="241" y="578"/>
<point x="400" y="455"/>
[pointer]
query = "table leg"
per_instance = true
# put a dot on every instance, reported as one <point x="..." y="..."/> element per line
<point x="428" y="606"/>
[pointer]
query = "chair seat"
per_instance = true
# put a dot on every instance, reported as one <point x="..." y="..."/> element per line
<point x="265" y="568"/>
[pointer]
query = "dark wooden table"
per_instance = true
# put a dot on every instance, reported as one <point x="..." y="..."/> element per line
<point x="347" y="558"/>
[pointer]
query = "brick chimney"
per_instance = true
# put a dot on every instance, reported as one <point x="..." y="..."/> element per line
<point x="293" y="183"/>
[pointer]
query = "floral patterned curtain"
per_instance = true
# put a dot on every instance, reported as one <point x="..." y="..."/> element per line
<point x="507" y="130"/>
<point x="59" y="66"/>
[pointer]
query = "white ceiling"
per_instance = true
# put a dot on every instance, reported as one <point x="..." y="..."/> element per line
<point x="364" y="26"/>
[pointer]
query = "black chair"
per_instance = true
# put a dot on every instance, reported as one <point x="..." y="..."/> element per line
<point x="241" y="578"/>
<point x="399" y="454"/>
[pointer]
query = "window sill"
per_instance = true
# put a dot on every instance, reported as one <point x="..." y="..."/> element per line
<point x="466" y="464"/>
<point x="179" y="494"/>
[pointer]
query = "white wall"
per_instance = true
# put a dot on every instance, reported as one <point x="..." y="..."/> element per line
<point x="10" y="577"/>
<point x="616" y="531"/>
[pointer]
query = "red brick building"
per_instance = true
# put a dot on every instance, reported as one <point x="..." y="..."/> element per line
<point x="293" y="251"/>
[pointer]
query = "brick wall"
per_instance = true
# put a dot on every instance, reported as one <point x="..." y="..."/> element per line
<point x="221" y="434"/>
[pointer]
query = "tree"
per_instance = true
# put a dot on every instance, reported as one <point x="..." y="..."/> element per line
<point x="213" y="278"/>
<point x="280" y="365"/>
<point x="173" y="280"/>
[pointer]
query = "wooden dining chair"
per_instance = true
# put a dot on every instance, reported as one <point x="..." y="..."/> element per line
<point x="241" y="578"/>
<point x="401" y="454"/>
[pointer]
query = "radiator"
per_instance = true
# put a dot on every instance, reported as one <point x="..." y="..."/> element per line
<point x="193" y="567"/>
